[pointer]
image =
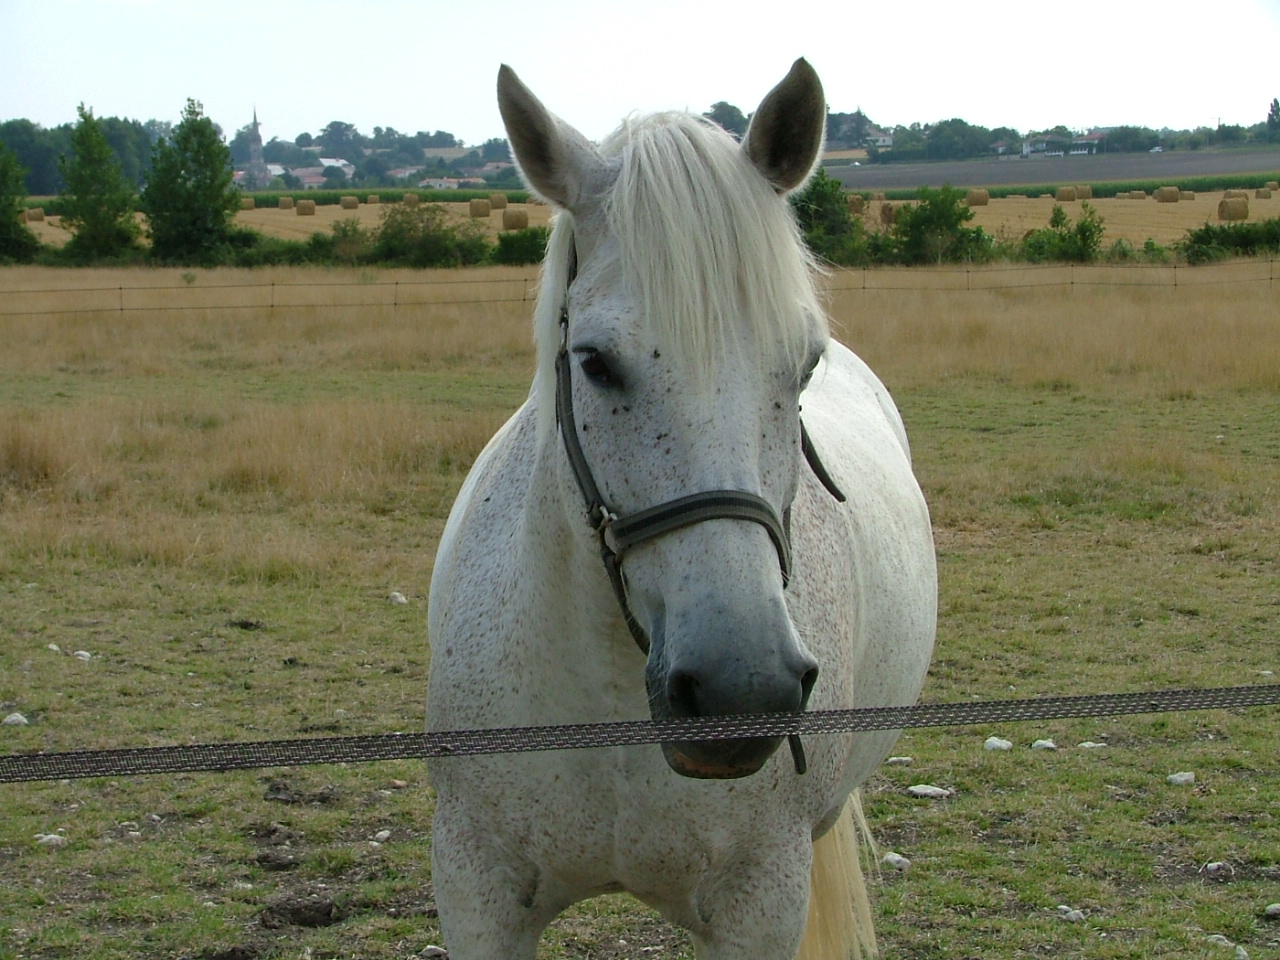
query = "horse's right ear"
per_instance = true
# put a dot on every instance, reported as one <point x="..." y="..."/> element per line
<point x="557" y="162"/>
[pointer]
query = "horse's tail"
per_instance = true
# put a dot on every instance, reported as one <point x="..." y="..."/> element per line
<point x="839" y="925"/>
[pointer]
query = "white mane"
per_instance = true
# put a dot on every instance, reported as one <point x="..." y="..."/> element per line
<point x="705" y="243"/>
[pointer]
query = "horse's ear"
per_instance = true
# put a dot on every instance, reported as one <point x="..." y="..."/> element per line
<point x="556" y="161"/>
<point x="786" y="132"/>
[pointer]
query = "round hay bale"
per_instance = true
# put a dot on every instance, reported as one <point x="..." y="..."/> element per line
<point x="1235" y="195"/>
<point x="497" y="201"/>
<point x="1046" y="196"/>
<point x="1167" y="194"/>
<point x="857" y="203"/>
<point x="305" y="208"/>
<point x="1272" y="185"/>
<point x="350" y="203"/>
<point x="1137" y="194"/>
<point x="513" y="219"/>
<point x="878" y="195"/>
<point x="286" y="203"/>
<point x="409" y="199"/>
<point x="977" y="198"/>
<point x="1233" y="208"/>
<point x="887" y="213"/>
<point x="1065" y="194"/>
<point x="246" y="203"/>
<point x="1262" y="193"/>
<point x="1186" y="194"/>
<point x="34" y="215"/>
<point x="371" y="199"/>
<point x="479" y="208"/>
<point x="1084" y="191"/>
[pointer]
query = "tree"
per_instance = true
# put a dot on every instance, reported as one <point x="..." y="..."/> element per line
<point x="17" y="243"/>
<point x="38" y="150"/>
<point x="304" y="140"/>
<point x="1273" y="119"/>
<point x="97" y="201"/>
<point x="729" y="117"/>
<point x="341" y="140"/>
<point x="189" y="198"/>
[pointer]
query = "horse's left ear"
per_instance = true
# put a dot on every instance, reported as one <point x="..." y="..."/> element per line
<point x="786" y="132"/>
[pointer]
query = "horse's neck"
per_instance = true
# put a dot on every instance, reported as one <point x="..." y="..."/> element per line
<point x="565" y="591"/>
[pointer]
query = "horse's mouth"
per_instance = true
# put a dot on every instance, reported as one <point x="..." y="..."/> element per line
<point x="720" y="759"/>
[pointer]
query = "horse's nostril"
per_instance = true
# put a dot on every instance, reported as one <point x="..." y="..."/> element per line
<point x="682" y="694"/>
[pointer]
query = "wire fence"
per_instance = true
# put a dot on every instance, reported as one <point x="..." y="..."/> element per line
<point x="275" y="296"/>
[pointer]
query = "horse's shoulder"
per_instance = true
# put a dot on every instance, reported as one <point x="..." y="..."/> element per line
<point x="490" y="493"/>
<point x="849" y="403"/>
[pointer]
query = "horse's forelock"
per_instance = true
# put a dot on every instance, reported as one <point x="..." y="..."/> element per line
<point x="706" y="247"/>
<point x="706" y="244"/>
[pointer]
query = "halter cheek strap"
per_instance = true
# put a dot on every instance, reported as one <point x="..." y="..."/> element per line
<point x="617" y="534"/>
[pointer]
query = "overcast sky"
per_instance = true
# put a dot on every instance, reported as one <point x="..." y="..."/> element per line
<point x="430" y="65"/>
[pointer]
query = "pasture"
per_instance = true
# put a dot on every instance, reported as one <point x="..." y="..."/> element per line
<point x="213" y="495"/>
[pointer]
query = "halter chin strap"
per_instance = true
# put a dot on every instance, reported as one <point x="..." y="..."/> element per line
<point x="617" y="534"/>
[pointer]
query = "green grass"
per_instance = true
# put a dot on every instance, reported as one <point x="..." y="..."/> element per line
<point x="1094" y="533"/>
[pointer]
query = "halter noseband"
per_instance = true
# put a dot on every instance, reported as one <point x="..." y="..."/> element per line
<point x="617" y="534"/>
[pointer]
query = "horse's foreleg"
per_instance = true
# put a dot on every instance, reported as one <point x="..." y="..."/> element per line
<point x="755" y="908"/>
<point x="487" y="896"/>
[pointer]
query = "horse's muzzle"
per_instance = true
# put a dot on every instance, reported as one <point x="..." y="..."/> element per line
<point x="720" y="759"/>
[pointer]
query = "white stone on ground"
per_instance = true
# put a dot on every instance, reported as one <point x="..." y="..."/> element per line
<point x="1044" y="745"/>
<point x="84" y="655"/>
<point x="15" y="720"/>
<point x="1090" y="745"/>
<point x="397" y="598"/>
<point x="898" y="762"/>
<point x="1069" y="914"/>
<point x="1272" y="912"/>
<point x="996" y="743"/>
<point x="1183" y="779"/>
<point x="929" y="791"/>
<point x="896" y="861"/>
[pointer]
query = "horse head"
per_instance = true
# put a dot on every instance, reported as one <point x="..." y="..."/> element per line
<point x="679" y="300"/>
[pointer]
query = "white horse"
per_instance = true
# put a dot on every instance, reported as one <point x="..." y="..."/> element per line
<point x="678" y="333"/>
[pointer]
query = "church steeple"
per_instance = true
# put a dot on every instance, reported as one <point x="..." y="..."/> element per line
<point x="257" y="175"/>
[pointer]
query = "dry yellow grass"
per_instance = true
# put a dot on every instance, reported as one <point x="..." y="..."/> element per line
<point x="143" y="433"/>
<point x="1094" y="327"/>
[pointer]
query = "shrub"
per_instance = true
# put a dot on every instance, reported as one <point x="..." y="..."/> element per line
<point x="829" y="230"/>
<point x="1080" y="242"/>
<point x="424" y="236"/>
<point x="1218" y="241"/>
<point x="932" y="230"/>
<point x="522" y="246"/>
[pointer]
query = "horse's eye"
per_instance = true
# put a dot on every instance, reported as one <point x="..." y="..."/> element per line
<point x="597" y="368"/>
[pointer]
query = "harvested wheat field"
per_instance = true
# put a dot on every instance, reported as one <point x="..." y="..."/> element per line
<point x="1124" y="219"/>
<point x="288" y="225"/>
